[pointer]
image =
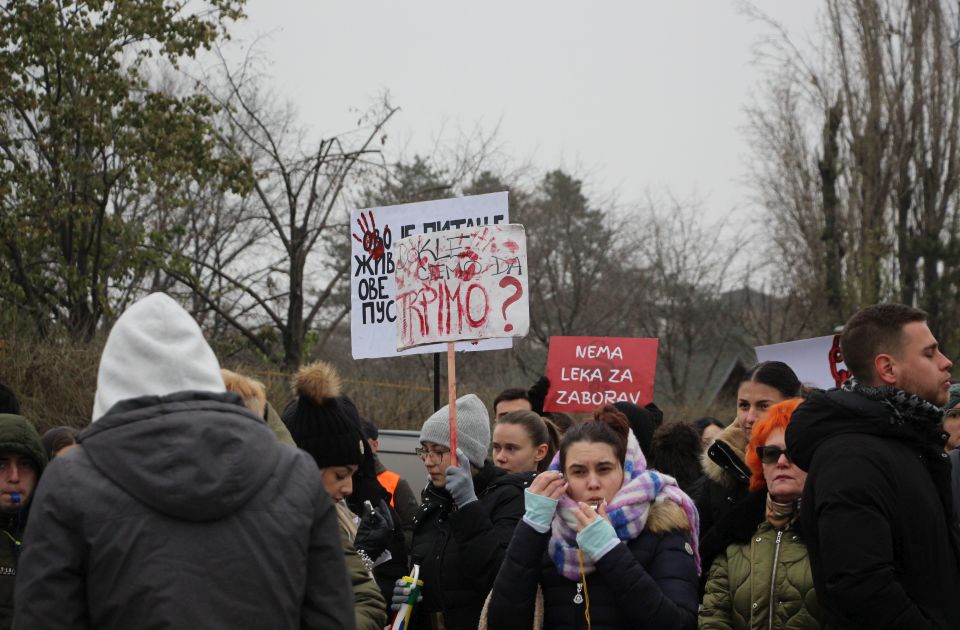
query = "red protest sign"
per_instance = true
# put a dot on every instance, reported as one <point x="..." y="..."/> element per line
<point x="588" y="372"/>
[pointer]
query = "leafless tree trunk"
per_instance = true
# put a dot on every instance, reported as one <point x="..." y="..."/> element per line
<point x="876" y="208"/>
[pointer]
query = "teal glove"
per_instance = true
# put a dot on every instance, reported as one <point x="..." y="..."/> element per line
<point x="539" y="510"/>
<point x="597" y="538"/>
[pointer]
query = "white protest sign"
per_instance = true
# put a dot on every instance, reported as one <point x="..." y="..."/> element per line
<point x="374" y="236"/>
<point x="817" y="362"/>
<point x="462" y="284"/>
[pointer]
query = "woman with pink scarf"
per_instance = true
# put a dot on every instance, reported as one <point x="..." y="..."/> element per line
<point x="604" y="543"/>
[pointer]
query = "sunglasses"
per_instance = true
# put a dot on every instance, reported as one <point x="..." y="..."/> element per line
<point x="771" y="454"/>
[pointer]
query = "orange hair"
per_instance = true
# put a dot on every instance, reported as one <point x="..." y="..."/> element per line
<point x="778" y="417"/>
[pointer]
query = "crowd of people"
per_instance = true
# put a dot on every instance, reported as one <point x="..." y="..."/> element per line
<point x="190" y="501"/>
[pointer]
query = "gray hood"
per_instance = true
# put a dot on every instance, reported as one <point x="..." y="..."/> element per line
<point x="195" y="456"/>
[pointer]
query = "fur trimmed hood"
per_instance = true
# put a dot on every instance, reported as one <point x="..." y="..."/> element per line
<point x="253" y="392"/>
<point x="665" y="517"/>
<point x="737" y="439"/>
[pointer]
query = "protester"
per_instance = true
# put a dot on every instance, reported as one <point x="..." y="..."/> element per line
<point x="368" y="491"/>
<point x="466" y="518"/>
<point x="726" y="476"/>
<point x="643" y="422"/>
<point x="951" y="418"/>
<point x="178" y="509"/>
<point x="877" y="513"/>
<point x="560" y="420"/>
<point x="22" y="460"/>
<point x="402" y="499"/>
<point x="951" y="427"/>
<point x="760" y="575"/>
<point x="537" y="395"/>
<point x="524" y="442"/>
<point x="324" y="423"/>
<point x="676" y="452"/>
<point x="254" y="396"/>
<point x="8" y="401"/>
<point x="709" y="429"/>
<point x="59" y="440"/>
<point x="608" y="543"/>
<point x="512" y="399"/>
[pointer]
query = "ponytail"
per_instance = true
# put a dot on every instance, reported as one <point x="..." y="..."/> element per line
<point x="539" y="430"/>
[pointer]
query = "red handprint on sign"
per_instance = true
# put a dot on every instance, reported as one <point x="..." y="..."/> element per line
<point x="371" y="239"/>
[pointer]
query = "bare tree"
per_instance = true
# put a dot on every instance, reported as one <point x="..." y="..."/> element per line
<point x="682" y="274"/>
<point x="856" y="156"/>
<point x="281" y="274"/>
<point x="575" y="252"/>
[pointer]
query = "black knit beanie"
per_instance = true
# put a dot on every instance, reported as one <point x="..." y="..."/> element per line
<point x="322" y="422"/>
<point x="643" y="423"/>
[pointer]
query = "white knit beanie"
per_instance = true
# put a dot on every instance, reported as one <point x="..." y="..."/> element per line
<point x="473" y="428"/>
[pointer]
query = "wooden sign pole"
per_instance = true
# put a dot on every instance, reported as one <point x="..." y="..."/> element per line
<point x="452" y="394"/>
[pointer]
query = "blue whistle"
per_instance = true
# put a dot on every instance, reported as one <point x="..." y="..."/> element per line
<point x="15" y="497"/>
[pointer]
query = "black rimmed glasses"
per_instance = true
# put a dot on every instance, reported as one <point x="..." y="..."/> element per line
<point x="435" y="454"/>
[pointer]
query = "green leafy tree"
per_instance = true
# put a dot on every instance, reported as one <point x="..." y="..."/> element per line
<point x="85" y="138"/>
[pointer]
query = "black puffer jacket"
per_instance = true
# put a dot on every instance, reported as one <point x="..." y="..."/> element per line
<point x="725" y="479"/>
<point x="182" y="511"/>
<point x="460" y="551"/>
<point x="650" y="582"/>
<point x="877" y="514"/>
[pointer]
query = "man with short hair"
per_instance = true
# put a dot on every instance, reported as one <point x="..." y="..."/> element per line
<point x="877" y="511"/>
<point x="512" y="399"/>
<point x="178" y="508"/>
<point x="22" y="459"/>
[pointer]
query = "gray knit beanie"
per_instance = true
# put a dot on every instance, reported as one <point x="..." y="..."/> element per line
<point x="954" y="396"/>
<point x="473" y="428"/>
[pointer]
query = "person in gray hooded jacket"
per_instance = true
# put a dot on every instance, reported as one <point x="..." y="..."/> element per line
<point x="179" y="508"/>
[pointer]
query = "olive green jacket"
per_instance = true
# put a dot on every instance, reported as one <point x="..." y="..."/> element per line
<point x="369" y="608"/>
<point x="763" y="584"/>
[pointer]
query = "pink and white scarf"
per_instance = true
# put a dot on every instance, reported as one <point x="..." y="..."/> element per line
<point x="628" y="511"/>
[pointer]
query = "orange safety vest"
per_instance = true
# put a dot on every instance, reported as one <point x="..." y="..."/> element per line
<point x="389" y="480"/>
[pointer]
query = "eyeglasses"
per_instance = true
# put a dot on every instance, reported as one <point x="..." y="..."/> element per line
<point x="426" y="453"/>
<point x="771" y="454"/>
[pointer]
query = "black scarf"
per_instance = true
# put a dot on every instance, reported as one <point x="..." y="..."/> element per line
<point x="905" y="409"/>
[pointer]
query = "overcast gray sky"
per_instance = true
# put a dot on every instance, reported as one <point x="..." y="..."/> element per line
<point x="641" y="95"/>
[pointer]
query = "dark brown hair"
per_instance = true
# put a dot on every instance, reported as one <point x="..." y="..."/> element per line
<point x="560" y="420"/>
<point x="57" y="438"/>
<point x="539" y="430"/>
<point x="875" y="330"/>
<point x="513" y="393"/>
<point x="775" y="374"/>
<point x="608" y="426"/>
